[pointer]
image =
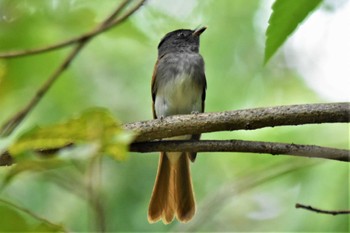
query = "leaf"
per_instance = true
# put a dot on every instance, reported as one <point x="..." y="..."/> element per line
<point x="285" y="18"/>
<point x="95" y="130"/>
<point x="92" y="126"/>
<point x="15" y="218"/>
<point x="11" y="220"/>
<point x="119" y="145"/>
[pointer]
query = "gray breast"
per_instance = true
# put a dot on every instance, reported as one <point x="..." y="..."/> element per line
<point x="180" y="82"/>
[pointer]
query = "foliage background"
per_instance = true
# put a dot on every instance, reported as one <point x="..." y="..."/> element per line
<point x="114" y="71"/>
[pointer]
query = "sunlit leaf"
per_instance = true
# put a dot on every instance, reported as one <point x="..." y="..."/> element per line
<point x="94" y="132"/>
<point x="119" y="146"/>
<point x="92" y="126"/>
<point x="285" y="18"/>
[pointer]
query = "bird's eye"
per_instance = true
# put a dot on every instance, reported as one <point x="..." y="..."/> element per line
<point x="181" y="35"/>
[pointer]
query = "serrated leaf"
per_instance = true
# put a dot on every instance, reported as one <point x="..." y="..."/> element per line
<point x="92" y="126"/>
<point x="285" y="18"/>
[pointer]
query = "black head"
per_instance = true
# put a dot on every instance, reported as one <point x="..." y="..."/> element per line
<point x="181" y="40"/>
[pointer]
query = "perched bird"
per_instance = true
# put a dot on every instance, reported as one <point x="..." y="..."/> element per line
<point x="178" y="87"/>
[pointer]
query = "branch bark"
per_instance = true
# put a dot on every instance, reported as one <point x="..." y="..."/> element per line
<point x="272" y="148"/>
<point x="248" y="119"/>
<point x="234" y="120"/>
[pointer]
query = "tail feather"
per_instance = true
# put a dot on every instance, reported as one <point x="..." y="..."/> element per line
<point x="184" y="195"/>
<point x="160" y="198"/>
<point x="172" y="193"/>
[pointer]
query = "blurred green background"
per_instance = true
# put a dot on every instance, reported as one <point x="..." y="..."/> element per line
<point x="234" y="192"/>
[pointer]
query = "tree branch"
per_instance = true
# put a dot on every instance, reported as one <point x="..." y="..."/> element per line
<point x="243" y="146"/>
<point x="247" y="119"/>
<point x="332" y="212"/>
<point x="10" y="125"/>
<point x="233" y="120"/>
<point x="104" y="26"/>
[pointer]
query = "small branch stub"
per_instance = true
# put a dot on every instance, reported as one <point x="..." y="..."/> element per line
<point x="317" y="210"/>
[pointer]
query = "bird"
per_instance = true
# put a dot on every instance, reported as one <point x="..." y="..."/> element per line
<point x="178" y="87"/>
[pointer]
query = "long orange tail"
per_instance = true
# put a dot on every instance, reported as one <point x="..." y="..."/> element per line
<point x="172" y="193"/>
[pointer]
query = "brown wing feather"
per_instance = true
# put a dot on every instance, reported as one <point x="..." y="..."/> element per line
<point x="154" y="86"/>
<point x="154" y="89"/>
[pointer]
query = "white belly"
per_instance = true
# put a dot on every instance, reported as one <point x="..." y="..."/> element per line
<point x="179" y="95"/>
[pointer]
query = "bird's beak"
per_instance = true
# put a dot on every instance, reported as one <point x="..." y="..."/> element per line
<point x="199" y="31"/>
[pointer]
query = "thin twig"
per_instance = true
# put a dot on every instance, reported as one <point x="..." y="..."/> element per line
<point x="332" y="212"/>
<point x="27" y="52"/>
<point x="115" y="13"/>
<point x="105" y="25"/>
<point x="273" y="148"/>
<point x="15" y="120"/>
<point x="247" y="119"/>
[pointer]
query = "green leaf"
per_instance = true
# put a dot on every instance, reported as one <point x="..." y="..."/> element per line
<point x="285" y="18"/>
<point x="119" y="145"/>
<point x="96" y="126"/>
<point x="95" y="129"/>
<point x="11" y="220"/>
<point x="15" y="218"/>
